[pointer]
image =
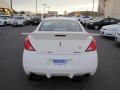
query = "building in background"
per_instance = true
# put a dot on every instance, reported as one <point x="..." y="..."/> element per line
<point x="65" y="13"/>
<point x="5" y="8"/>
<point x="83" y="13"/>
<point x="109" y="8"/>
<point x="75" y="13"/>
<point x="101" y="7"/>
<point x="52" y="13"/>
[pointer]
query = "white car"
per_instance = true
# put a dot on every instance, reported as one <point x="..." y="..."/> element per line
<point x="117" y="37"/>
<point x="5" y="20"/>
<point x="60" y="47"/>
<point x="110" y="30"/>
<point x="2" y="22"/>
<point x="19" y="21"/>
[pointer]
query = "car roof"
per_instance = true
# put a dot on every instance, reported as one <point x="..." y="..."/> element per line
<point x="61" y="18"/>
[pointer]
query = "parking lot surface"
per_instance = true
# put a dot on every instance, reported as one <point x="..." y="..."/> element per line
<point x="12" y="76"/>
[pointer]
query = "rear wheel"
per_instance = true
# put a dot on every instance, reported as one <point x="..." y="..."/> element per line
<point x="80" y="78"/>
<point x="34" y="77"/>
<point x="77" y="78"/>
<point x="96" y="27"/>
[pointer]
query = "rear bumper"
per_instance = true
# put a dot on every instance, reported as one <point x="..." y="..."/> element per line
<point x="77" y="66"/>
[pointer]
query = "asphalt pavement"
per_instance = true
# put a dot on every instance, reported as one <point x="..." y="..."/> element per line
<point x="12" y="76"/>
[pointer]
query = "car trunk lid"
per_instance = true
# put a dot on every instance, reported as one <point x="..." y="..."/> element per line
<point x="60" y="42"/>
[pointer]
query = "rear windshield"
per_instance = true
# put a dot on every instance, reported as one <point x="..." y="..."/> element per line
<point x="60" y="25"/>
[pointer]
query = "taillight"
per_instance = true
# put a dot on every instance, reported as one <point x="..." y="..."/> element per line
<point x="92" y="46"/>
<point x="28" y="45"/>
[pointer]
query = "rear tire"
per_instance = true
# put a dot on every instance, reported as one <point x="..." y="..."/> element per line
<point x="80" y="78"/>
<point x="77" y="78"/>
<point x="34" y="77"/>
<point x="96" y="27"/>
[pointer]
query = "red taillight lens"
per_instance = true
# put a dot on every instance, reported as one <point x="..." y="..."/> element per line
<point x="28" y="45"/>
<point x="92" y="46"/>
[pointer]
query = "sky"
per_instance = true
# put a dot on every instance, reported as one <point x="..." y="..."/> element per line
<point x="55" y="5"/>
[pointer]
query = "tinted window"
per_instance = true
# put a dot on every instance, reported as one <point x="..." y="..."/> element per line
<point x="60" y="25"/>
<point x="99" y="19"/>
<point x="114" y="20"/>
<point x="19" y="18"/>
<point x="2" y="17"/>
<point x="36" y="18"/>
<point x="85" y="17"/>
<point x="106" y="20"/>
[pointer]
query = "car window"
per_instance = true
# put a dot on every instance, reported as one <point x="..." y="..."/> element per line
<point x="2" y="17"/>
<point x="85" y="17"/>
<point x="106" y="20"/>
<point x="19" y="18"/>
<point x="5" y="17"/>
<point x="60" y="25"/>
<point x="99" y="19"/>
<point x="113" y="20"/>
<point x="35" y="18"/>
